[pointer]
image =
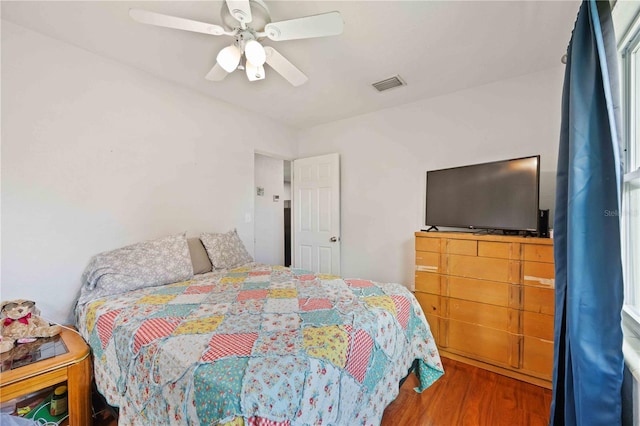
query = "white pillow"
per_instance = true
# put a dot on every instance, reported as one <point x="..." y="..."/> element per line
<point x="225" y="250"/>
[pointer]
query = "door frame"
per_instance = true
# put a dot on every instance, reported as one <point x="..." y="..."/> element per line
<point x="253" y="192"/>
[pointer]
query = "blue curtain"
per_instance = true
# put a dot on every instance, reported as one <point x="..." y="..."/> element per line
<point x="588" y="361"/>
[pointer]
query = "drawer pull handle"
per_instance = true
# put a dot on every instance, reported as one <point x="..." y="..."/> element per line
<point x="426" y="268"/>
<point x="548" y="282"/>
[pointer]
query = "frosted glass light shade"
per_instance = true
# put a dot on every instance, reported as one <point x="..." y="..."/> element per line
<point x="254" y="52"/>
<point x="229" y="58"/>
<point x="254" y="72"/>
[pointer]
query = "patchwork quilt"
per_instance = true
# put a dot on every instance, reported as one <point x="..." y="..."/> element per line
<point x="258" y="345"/>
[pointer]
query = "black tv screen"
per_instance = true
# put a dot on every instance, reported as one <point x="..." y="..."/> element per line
<point x="501" y="195"/>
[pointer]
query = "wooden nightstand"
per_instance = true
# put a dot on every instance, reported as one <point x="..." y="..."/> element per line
<point x="72" y="367"/>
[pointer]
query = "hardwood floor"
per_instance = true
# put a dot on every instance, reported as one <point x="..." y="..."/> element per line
<point x="465" y="395"/>
<point x="468" y="395"/>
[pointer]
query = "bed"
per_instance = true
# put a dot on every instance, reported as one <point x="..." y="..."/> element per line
<point x="256" y="344"/>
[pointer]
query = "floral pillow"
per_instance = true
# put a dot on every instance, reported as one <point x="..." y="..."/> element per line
<point x="151" y="263"/>
<point x="225" y="250"/>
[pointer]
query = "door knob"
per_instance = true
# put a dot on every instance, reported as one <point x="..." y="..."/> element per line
<point x="333" y="239"/>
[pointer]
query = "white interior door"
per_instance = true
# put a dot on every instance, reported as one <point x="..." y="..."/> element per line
<point x="316" y="214"/>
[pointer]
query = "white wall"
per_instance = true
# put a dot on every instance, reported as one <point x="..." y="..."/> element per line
<point x="385" y="156"/>
<point x="269" y="215"/>
<point x="97" y="155"/>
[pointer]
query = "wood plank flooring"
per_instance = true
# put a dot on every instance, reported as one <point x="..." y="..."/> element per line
<point x="465" y="395"/>
<point x="468" y="395"/>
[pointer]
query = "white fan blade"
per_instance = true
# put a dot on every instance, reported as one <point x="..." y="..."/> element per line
<point x="283" y="67"/>
<point x="158" y="19"/>
<point x="217" y="73"/>
<point x="240" y="10"/>
<point x="326" y="24"/>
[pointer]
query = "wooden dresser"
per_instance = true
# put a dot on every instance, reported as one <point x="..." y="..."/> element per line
<point x="489" y="300"/>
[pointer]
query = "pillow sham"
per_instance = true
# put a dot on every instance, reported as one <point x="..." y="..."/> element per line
<point x="225" y="250"/>
<point x="150" y="263"/>
<point x="199" y="258"/>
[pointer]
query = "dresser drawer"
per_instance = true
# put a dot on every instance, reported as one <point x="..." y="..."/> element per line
<point x="537" y="325"/>
<point x="483" y="291"/>
<point x="537" y="357"/>
<point x="481" y="343"/>
<point x="484" y="268"/>
<point x="427" y="261"/>
<point x="539" y="274"/>
<point x="428" y="282"/>
<point x="430" y="303"/>
<point x="499" y="250"/>
<point x="538" y="299"/>
<point x="538" y="253"/>
<point x="428" y="244"/>
<point x="466" y="247"/>
<point x="492" y="316"/>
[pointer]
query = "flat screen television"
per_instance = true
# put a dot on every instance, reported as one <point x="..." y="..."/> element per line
<point x="500" y="195"/>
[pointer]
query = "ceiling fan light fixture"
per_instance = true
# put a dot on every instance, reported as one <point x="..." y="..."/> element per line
<point x="229" y="58"/>
<point x="254" y="72"/>
<point x="248" y="22"/>
<point x="254" y="52"/>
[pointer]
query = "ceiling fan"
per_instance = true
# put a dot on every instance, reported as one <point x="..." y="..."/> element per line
<point x="249" y="23"/>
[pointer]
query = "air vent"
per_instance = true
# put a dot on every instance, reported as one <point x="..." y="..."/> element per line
<point x="389" y="83"/>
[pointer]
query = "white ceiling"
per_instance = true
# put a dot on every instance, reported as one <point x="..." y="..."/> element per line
<point x="437" y="47"/>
